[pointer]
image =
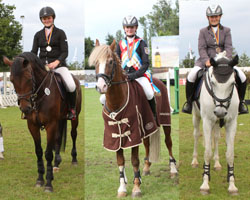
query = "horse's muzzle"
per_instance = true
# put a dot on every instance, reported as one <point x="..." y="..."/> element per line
<point x="101" y="86"/>
<point x="220" y="112"/>
<point x="26" y="110"/>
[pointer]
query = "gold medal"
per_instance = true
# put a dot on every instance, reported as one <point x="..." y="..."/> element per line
<point x="48" y="48"/>
<point x="129" y="63"/>
<point x="218" y="50"/>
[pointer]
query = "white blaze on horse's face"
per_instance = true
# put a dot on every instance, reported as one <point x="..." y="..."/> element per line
<point x="101" y="85"/>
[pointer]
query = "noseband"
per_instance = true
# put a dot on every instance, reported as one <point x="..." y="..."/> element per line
<point x="215" y="98"/>
<point x="109" y="78"/>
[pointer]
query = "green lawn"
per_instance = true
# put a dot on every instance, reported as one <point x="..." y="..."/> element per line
<point x="191" y="179"/>
<point x="101" y="171"/>
<point x="18" y="171"/>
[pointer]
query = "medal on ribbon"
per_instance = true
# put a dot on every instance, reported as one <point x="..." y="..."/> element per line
<point x="49" y="48"/>
<point x="217" y="38"/>
<point x="130" y="52"/>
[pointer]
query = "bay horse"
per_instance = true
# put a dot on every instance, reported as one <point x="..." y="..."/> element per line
<point x="217" y="107"/>
<point x="112" y="81"/>
<point x="40" y="100"/>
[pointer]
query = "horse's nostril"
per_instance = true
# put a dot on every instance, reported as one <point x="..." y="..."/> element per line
<point x="225" y="113"/>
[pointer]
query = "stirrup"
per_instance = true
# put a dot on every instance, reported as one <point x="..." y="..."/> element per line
<point x="71" y="114"/>
<point x="244" y="105"/>
<point x="185" y="108"/>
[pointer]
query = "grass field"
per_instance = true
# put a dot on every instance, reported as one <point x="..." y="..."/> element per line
<point x="101" y="171"/>
<point x="191" y="179"/>
<point x="18" y="171"/>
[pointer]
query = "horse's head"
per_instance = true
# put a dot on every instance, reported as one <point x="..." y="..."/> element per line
<point x="21" y="77"/>
<point x="222" y="81"/>
<point x="107" y="65"/>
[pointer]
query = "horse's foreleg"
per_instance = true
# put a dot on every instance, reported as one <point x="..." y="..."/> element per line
<point x="230" y="135"/>
<point x="35" y="132"/>
<point x="217" y="165"/>
<point x="168" y="142"/>
<point x="122" y="190"/>
<point x="51" y="141"/>
<point x="196" y="133"/>
<point x="74" y="125"/>
<point x="147" y="164"/>
<point x="136" y="192"/>
<point x="207" y="128"/>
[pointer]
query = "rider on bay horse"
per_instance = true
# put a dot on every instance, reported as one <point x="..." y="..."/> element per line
<point x="53" y="46"/>
<point x="213" y="39"/>
<point x="133" y="52"/>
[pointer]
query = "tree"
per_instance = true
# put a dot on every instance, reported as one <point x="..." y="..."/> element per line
<point x="118" y="36"/>
<point x="244" y="60"/>
<point x="11" y="34"/>
<point x="143" y="22"/>
<point x="109" y="39"/>
<point x="88" y="47"/>
<point x="187" y="62"/>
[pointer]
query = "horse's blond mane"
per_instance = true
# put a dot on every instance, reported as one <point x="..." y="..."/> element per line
<point x="99" y="53"/>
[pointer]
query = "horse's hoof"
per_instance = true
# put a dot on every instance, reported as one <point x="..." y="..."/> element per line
<point x="39" y="184"/>
<point x="204" y="191"/>
<point x="217" y="168"/>
<point x="121" y="194"/>
<point x="136" y="194"/>
<point x="74" y="163"/>
<point x="233" y="193"/>
<point x="195" y="165"/>
<point x="145" y="173"/>
<point x="56" y="169"/>
<point x="48" y="189"/>
<point x="1" y="156"/>
<point x="173" y="175"/>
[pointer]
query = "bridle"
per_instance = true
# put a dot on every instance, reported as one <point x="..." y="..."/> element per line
<point x="215" y="98"/>
<point x="109" y="78"/>
<point x="32" y="95"/>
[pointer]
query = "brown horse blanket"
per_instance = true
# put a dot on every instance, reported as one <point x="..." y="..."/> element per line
<point x="135" y="121"/>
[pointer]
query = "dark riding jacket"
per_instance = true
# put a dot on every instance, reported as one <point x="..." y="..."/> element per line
<point x="207" y="44"/>
<point x="58" y="43"/>
<point x="142" y="51"/>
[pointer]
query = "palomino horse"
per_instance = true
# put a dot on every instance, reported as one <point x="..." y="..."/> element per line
<point x="40" y="100"/>
<point x="219" y="104"/>
<point x="113" y="83"/>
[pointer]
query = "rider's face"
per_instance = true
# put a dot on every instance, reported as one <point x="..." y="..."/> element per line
<point x="48" y="21"/>
<point x="214" y="20"/>
<point x="130" y="30"/>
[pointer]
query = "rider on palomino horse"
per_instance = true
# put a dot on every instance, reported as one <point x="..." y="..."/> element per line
<point x="133" y="52"/>
<point x="53" y="46"/>
<point x="213" y="39"/>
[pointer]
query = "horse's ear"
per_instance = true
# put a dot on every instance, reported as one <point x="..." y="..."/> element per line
<point x="7" y="61"/>
<point x="97" y="43"/>
<point x="234" y="61"/>
<point x="113" y="45"/>
<point x="212" y="62"/>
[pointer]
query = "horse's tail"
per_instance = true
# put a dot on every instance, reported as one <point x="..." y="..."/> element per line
<point x="63" y="133"/>
<point x="155" y="146"/>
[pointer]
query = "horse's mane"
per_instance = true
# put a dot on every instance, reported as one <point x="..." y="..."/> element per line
<point x="30" y="57"/>
<point x="99" y="53"/>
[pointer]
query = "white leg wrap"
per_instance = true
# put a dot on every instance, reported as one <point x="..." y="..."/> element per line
<point x="123" y="181"/>
<point x="1" y="144"/>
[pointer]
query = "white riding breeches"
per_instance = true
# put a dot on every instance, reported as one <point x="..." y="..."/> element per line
<point x="193" y="74"/>
<point x="67" y="78"/>
<point x="147" y="88"/>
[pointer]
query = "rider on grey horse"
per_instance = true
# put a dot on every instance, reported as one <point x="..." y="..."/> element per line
<point x="213" y="39"/>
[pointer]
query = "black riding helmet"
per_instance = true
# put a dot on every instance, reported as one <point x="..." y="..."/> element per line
<point x="47" y="11"/>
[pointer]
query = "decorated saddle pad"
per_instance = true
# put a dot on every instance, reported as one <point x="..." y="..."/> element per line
<point x="128" y="127"/>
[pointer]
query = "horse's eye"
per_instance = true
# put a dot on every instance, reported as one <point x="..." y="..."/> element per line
<point x="110" y="62"/>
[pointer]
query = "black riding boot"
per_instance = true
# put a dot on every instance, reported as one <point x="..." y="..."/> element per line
<point x="72" y="106"/>
<point x="243" y="109"/>
<point x="187" y="107"/>
<point x="153" y="106"/>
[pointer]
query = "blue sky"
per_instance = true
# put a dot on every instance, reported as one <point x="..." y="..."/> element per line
<point x="236" y="15"/>
<point x="69" y="17"/>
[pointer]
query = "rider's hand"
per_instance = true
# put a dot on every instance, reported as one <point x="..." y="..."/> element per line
<point x="208" y="64"/>
<point x="54" y="64"/>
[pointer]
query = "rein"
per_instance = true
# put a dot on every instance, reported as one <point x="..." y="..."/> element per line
<point x="215" y="98"/>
